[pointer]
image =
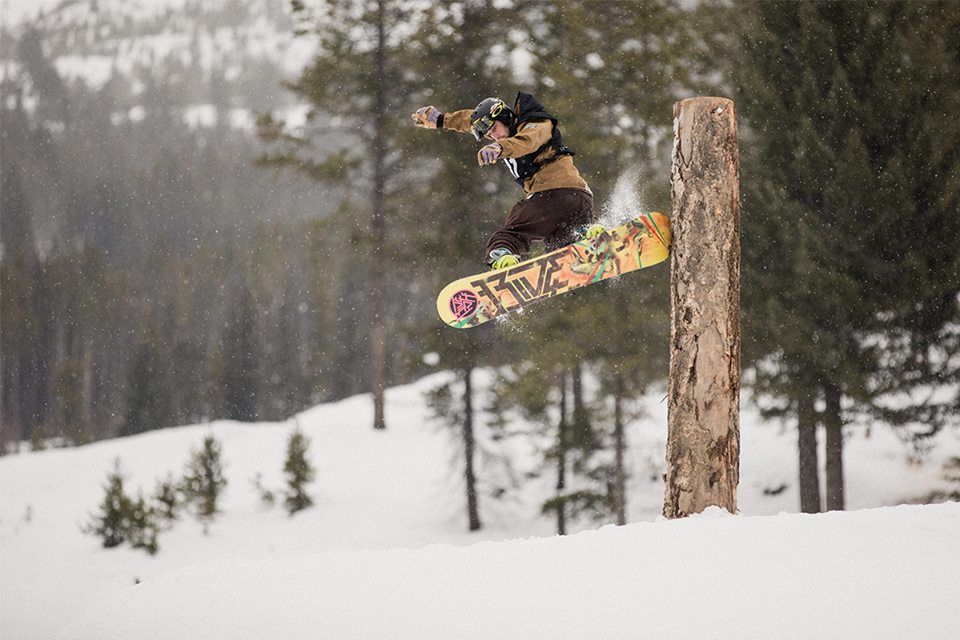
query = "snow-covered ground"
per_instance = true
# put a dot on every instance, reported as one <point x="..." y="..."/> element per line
<point x="876" y="574"/>
<point x="385" y="553"/>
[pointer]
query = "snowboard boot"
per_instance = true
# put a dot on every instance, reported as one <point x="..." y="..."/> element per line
<point x="501" y="258"/>
<point x="593" y="231"/>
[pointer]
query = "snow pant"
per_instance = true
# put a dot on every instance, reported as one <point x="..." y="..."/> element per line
<point x="554" y="216"/>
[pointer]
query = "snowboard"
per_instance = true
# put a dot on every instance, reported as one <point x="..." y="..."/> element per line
<point x="636" y="244"/>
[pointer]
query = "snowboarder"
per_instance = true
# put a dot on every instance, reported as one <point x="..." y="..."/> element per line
<point x="558" y="203"/>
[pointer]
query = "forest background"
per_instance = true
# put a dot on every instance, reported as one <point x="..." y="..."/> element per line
<point x="186" y="241"/>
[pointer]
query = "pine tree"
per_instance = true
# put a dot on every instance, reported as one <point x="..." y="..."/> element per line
<point x="854" y="232"/>
<point x="594" y="70"/>
<point x="321" y="331"/>
<point x="169" y="499"/>
<point x="70" y="421"/>
<point x="142" y="526"/>
<point x="459" y="65"/>
<point x="149" y="393"/>
<point x="18" y="238"/>
<point x="240" y="349"/>
<point x="276" y="277"/>
<point x="110" y="522"/>
<point x="124" y="519"/>
<point x="357" y="84"/>
<point x="214" y="402"/>
<point x="55" y="102"/>
<point x="540" y="388"/>
<point x="461" y="416"/>
<point x="79" y="178"/>
<point x="204" y="482"/>
<point x="609" y="71"/>
<point x="18" y="335"/>
<point x="299" y="473"/>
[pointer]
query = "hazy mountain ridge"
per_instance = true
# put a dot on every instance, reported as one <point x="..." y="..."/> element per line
<point x="227" y="53"/>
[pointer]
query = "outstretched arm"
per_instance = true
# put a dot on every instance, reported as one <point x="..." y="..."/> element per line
<point x="431" y="118"/>
<point x="457" y="121"/>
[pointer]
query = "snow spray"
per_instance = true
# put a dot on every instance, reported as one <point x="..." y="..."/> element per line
<point x="626" y="201"/>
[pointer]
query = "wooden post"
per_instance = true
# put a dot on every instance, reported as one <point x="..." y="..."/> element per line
<point x="703" y="442"/>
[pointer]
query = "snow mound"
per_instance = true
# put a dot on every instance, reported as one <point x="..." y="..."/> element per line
<point x="882" y="573"/>
<point x="377" y="491"/>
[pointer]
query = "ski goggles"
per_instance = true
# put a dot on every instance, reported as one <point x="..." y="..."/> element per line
<point x="480" y="126"/>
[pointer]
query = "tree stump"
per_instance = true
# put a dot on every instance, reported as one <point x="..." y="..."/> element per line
<point x="703" y="442"/>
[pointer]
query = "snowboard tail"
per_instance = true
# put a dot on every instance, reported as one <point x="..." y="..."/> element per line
<point x="637" y="244"/>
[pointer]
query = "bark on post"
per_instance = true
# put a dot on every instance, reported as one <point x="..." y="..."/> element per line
<point x="703" y="443"/>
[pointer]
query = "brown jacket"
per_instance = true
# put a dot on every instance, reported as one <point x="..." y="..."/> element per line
<point x="558" y="174"/>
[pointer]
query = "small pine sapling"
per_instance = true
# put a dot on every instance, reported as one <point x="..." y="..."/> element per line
<point x="267" y="495"/>
<point x="109" y="523"/>
<point x="169" y="499"/>
<point x="299" y="473"/>
<point x="122" y="519"/>
<point x="204" y="481"/>
<point x="143" y="527"/>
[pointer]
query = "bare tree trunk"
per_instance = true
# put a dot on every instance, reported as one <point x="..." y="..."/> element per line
<point x="703" y="443"/>
<point x="807" y="451"/>
<point x="378" y="330"/>
<point x="86" y="420"/>
<point x="833" y="425"/>
<point x="581" y="433"/>
<point x="16" y="431"/>
<point x="620" y="446"/>
<point x="473" y="510"/>
<point x="34" y="381"/>
<point x="4" y="423"/>
<point x="562" y="456"/>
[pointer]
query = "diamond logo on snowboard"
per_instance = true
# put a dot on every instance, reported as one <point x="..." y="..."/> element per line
<point x="463" y="304"/>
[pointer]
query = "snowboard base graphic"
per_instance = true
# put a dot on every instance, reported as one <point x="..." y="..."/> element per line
<point x="637" y="244"/>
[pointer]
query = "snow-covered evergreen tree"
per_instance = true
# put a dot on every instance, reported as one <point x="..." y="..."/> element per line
<point x="204" y="481"/>
<point x="123" y="519"/>
<point x="168" y="498"/>
<point x="109" y="522"/>
<point x="299" y="473"/>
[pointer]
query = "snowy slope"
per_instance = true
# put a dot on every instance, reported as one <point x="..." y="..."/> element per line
<point x="877" y="574"/>
<point x="375" y="492"/>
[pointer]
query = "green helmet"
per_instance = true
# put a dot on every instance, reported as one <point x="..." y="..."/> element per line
<point x="487" y="112"/>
